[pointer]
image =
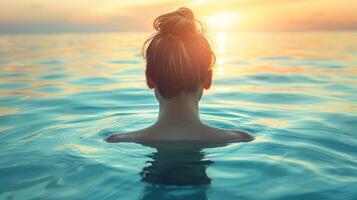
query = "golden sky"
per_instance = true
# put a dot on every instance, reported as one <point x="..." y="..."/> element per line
<point x="52" y="16"/>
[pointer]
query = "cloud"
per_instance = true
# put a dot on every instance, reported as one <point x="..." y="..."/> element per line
<point x="43" y="19"/>
<point x="57" y="16"/>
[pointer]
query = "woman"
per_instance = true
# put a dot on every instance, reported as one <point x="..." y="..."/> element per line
<point x="178" y="68"/>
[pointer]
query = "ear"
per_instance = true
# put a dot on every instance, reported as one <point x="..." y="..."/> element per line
<point x="207" y="83"/>
<point x="149" y="82"/>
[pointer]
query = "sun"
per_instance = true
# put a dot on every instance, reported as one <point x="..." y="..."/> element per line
<point x="221" y="20"/>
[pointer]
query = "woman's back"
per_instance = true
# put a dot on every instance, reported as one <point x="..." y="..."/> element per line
<point x="198" y="133"/>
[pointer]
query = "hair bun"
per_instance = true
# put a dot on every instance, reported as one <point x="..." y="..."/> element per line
<point x="180" y="23"/>
<point x="186" y="13"/>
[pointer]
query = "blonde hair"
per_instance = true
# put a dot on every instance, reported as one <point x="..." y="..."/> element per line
<point x="178" y="56"/>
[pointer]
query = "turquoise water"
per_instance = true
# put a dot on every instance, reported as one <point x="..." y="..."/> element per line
<point x="60" y="95"/>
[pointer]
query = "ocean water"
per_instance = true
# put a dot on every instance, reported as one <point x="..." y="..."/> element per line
<point x="60" y="95"/>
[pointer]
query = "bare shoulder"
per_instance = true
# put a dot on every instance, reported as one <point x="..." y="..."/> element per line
<point x="239" y="136"/>
<point x="230" y="135"/>
<point x="134" y="136"/>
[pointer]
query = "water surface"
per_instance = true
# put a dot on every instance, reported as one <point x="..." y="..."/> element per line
<point x="60" y="95"/>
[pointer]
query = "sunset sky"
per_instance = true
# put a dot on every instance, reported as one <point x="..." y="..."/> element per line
<point x="57" y="16"/>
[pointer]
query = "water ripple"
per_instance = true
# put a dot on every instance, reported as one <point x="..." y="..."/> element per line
<point x="61" y="95"/>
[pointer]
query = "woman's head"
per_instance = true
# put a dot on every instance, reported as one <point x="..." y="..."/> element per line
<point x="178" y="57"/>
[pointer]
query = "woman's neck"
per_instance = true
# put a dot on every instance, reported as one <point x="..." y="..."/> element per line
<point x="179" y="111"/>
